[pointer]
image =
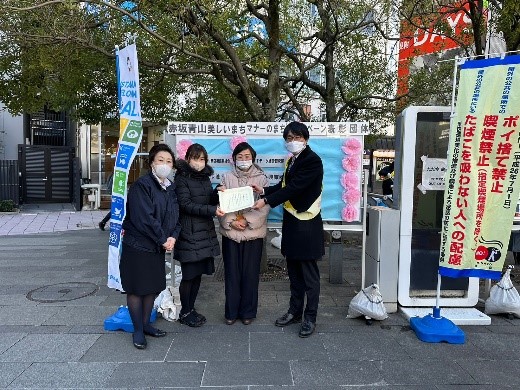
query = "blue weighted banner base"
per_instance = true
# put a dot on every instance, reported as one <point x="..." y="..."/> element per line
<point x="121" y="320"/>
<point x="433" y="328"/>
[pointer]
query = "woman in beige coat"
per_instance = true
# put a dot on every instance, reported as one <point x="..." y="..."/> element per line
<point x="242" y="239"/>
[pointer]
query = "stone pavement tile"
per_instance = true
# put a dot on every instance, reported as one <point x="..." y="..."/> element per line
<point x="381" y="386"/>
<point x="9" y="372"/>
<point x="26" y="315"/>
<point x="470" y="329"/>
<point x="64" y="375"/>
<point x="88" y="329"/>
<point x="81" y="315"/>
<point x="118" y="347"/>
<point x="327" y="373"/>
<point x="80" y="303"/>
<point x="277" y="346"/>
<point x="210" y="346"/>
<point x="364" y="345"/>
<point x="16" y="300"/>
<point x="7" y="340"/>
<point x="49" y="348"/>
<point x="474" y="387"/>
<point x="427" y="371"/>
<point x="417" y="349"/>
<point x="236" y="373"/>
<point x="503" y="320"/>
<point x="325" y="300"/>
<point x="21" y="289"/>
<point x="394" y="319"/>
<point x="210" y="328"/>
<point x="157" y="374"/>
<point x="502" y="371"/>
<point x="496" y="346"/>
<point x="30" y="329"/>
<point x="113" y="300"/>
<point x="504" y="329"/>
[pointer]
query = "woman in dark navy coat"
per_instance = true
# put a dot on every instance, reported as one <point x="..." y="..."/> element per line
<point x="151" y="227"/>
<point x="302" y="227"/>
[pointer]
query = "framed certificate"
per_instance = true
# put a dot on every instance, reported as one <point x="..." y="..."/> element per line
<point x="235" y="199"/>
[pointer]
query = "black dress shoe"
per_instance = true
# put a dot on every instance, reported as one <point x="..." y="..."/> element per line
<point x="154" y="332"/>
<point x="247" y="321"/>
<point x="190" y="319"/>
<point x="307" y="328"/>
<point x="101" y="226"/>
<point x="230" y="322"/>
<point x="139" y="342"/>
<point x="287" y="319"/>
<point x="199" y="316"/>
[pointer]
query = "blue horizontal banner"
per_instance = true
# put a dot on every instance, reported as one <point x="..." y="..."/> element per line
<point x="470" y="273"/>
<point x="473" y="64"/>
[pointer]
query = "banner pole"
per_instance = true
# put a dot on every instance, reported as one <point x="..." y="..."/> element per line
<point x="438" y="297"/>
<point x="454" y="88"/>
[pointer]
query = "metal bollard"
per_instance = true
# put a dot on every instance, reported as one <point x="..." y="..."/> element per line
<point x="335" y="257"/>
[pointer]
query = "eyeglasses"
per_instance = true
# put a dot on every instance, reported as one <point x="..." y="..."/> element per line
<point x="291" y="138"/>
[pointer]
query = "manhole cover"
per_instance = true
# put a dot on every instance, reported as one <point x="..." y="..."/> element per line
<point x="62" y="292"/>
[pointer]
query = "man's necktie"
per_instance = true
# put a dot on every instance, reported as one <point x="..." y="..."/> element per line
<point x="291" y="162"/>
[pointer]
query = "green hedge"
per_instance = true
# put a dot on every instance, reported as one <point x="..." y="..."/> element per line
<point x="6" y="205"/>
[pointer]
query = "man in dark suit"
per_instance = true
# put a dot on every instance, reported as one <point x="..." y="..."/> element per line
<point x="302" y="229"/>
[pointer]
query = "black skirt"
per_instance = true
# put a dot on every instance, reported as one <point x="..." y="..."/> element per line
<point x="142" y="273"/>
<point x="193" y="269"/>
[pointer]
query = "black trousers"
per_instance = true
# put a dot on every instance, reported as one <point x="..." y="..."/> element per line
<point x="242" y="275"/>
<point x="304" y="277"/>
<point x="106" y="218"/>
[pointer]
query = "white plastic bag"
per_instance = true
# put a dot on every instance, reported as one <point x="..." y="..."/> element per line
<point x="503" y="297"/>
<point x="178" y="273"/>
<point x="277" y="241"/>
<point x="369" y="303"/>
<point x="168" y="303"/>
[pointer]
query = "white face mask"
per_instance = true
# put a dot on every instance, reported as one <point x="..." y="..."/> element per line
<point x="295" y="147"/>
<point x="244" y="165"/>
<point x="197" y="165"/>
<point x="162" y="170"/>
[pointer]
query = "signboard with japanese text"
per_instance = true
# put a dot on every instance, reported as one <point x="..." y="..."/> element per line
<point x="130" y="134"/>
<point x="482" y="172"/>
<point x="433" y="173"/>
<point x="340" y="146"/>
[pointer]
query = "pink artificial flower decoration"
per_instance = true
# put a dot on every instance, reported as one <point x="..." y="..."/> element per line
<point x="351" y="196"/>
<point x="182" y="148"/>
<point x="237" y="140"/>
<point x="351" y="163"/>
<point x="350" y="213"/>
<point x="349" y="180"/>
<point x="351" y="146"/>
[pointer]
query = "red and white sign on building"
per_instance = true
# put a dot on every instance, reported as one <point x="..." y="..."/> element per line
<point x="426" y="39"/>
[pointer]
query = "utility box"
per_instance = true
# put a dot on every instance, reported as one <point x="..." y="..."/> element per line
<point x="382" y="253"/>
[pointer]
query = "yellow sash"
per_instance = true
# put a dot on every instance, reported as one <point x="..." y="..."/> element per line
<point x="312" y="212"/>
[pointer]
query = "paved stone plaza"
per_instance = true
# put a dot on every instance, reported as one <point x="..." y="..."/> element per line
<point x="53" y="300"/>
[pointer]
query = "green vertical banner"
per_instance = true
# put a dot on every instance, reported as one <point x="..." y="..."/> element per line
<point x="482" y="174"/>
<point x="130" y="134"/>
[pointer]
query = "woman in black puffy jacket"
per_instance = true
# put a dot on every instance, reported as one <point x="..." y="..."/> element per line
<point x="197" y="244"/>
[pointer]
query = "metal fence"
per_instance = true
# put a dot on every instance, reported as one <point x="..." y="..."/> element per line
<point x="9" y="181"/>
